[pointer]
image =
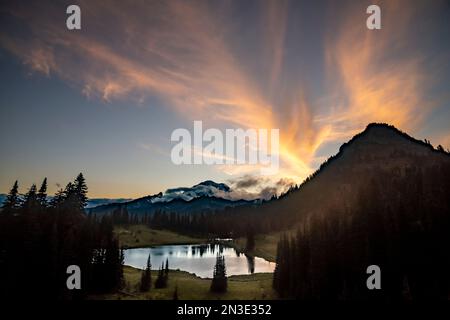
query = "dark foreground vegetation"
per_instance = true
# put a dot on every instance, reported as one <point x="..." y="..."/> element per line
<point x="401" y="224"/>
<point x="40" y="239"/>
<point x="219" y="282"/>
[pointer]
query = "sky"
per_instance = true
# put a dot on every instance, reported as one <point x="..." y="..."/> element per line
<point x="105" y="99"/>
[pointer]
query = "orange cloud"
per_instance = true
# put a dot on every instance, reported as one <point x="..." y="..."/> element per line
<point x="182" y="53"/>
<point x="374" y="76"/>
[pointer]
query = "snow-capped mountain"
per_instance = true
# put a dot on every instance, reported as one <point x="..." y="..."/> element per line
<point x="205" y="196"/>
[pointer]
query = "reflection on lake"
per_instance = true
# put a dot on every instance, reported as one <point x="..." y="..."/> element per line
<point x="198" y="259"/>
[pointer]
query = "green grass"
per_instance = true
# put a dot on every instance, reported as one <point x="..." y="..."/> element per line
<point x="138" y="236"/>
<point x="191" y="287"/>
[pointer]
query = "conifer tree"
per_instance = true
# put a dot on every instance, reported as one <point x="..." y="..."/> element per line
<point x="69" y="192"/>
<point x="113" y="261"/>
<point x="31" y="201"/>
<point x="166" y="269"/>
<point x="12" y="202"/>
<point x="276" y="272"/>
<point x="80" y="189"/>
<point x="42" y="194"/>
<point x="161" y="281"/>
<point x="219" y="282"/>
<point x="146" y="277"/>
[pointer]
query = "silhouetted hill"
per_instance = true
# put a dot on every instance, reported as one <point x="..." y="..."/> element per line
<point x="383" y="200"/>
<point x="379" y="149"/>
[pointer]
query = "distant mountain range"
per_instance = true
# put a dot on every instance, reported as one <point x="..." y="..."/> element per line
<point x="205" y="196"/>
<point x="91" y="203"/>
<point x="102" y="201"/>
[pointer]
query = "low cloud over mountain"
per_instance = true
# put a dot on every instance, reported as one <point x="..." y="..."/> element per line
<point x="206" y="188"/>
<point x="244" y="188"/>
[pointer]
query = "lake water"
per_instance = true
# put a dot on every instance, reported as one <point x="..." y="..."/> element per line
<point x="197" y="259"/>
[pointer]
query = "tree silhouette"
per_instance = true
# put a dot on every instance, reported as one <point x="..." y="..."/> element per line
<point x="219" y="282"/>
<point x="146" y="277"/>
<point x="166" y="269"/>
<point x="48" y="239"/>
<point x="42" y="194"/>
<point x="81" y="190"/>
<point x="161" y="280"/>
<point x="31" y="202"/>
<point x="12" y="202"/>
<point x="398" y="222"/>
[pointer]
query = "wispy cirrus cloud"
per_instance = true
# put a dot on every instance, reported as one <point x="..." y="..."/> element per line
<point x="377" y="76"/>
<point x="196" y="58"/>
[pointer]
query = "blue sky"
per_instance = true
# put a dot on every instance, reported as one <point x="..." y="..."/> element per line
<point x="104" y="100"/>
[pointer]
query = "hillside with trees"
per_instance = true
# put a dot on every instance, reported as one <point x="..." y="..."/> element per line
<point x="384" y="199"/>
<point x="379" y="151"/>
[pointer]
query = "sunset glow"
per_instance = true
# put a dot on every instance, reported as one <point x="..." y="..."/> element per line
<point x="316" y="73"/>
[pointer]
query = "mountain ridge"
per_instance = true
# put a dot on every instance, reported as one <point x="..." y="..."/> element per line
<point x="361" y="135"/>
<point x="379" y="149"/>
<point x="199" y="198"/>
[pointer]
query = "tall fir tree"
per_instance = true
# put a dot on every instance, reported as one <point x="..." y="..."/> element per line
<point x="166" y="269"/>
<point x="12" y="202"/>
<point x="146" y="277"/>
<point x="31" y="200"/>
<point x="219" y="282"/>
<point x="81" y="190"/>
<point x="42" y="194"/>
<point x="161" y="280"/>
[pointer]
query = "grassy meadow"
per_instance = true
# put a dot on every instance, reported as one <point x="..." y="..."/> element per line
<point x="191" y="287"/>
<point x="137" y="236"/>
